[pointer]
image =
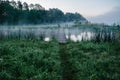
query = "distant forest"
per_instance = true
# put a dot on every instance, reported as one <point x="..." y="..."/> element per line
<point x="12" y="12"/>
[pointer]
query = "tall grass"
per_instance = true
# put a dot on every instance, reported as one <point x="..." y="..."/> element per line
<point x="40" y="60"/>
<point x="89" y="34"/>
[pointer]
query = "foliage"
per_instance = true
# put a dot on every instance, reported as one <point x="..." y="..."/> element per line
<point x="12" y="12"/>
<point x="95" y="61"/>
<point x="39" y="60"/>
<point x="29" y="60"/>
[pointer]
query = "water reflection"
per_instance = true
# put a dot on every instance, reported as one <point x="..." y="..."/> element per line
<point x="60" y="34"/>
<point x="47" y="39"/>
<point x="73" y="38"/>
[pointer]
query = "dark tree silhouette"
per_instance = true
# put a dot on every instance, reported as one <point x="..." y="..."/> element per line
<point x="12" y="12"/>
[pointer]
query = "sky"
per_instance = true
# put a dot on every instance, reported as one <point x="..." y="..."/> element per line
<point x="87" y="8"/>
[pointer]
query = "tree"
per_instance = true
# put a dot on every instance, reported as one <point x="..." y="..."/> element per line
<point x="55" y="15"/>
<point x="31" y="6"/>
<point x="25" y="6"/>
<point x="12" y="12"/>
<point x="19" y="5"/>
<point x="38" y="7"/>
<point x="13" y="3"/>
<point x="7" y="13"/>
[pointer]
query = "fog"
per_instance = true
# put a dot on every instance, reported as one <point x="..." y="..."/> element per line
<point x="61" y="34"/>
<point x="109" y="18"/>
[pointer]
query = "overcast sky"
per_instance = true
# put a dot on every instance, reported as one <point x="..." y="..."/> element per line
<point x="87" y="8"/>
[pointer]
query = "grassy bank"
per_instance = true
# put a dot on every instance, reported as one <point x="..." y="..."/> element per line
<point x="39" y="60"/>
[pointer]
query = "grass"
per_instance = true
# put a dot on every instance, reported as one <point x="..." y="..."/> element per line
<point x="39" y="60"/>
<point x="29" y="60"/>
<point x="96" y="61"/>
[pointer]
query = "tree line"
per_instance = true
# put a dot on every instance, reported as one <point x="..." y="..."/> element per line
<point x="16" y="12"/>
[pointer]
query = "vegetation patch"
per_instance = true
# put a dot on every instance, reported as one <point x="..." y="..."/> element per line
<point x="40" y="60"/>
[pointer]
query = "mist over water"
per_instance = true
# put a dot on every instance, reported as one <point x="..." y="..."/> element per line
<point x="61" y="34"/>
